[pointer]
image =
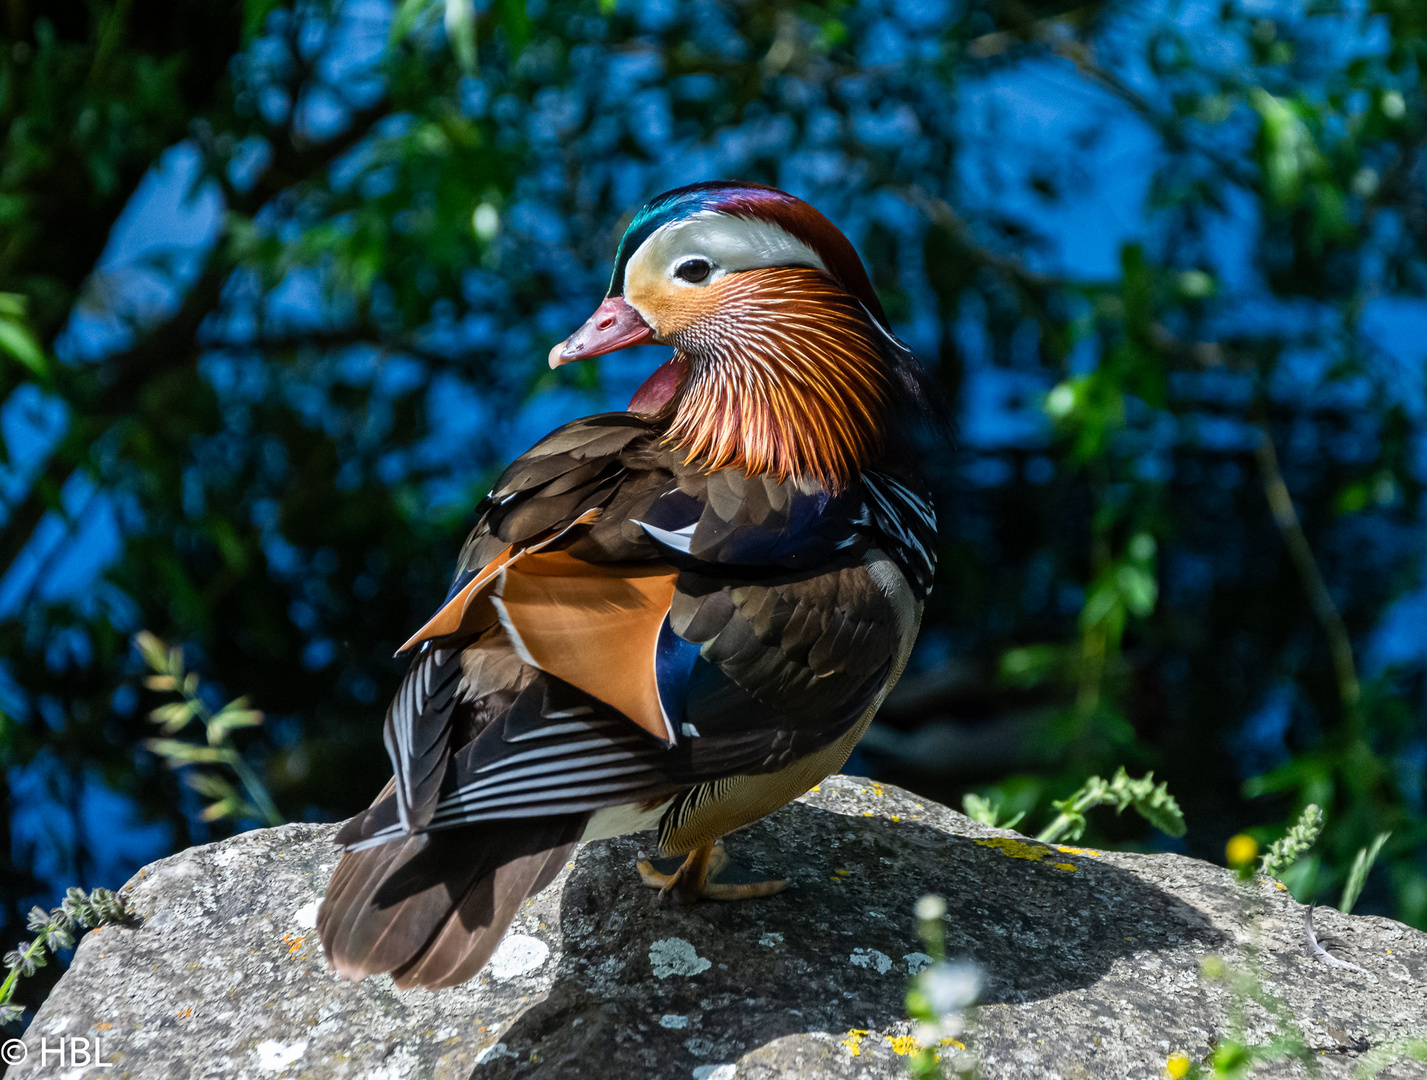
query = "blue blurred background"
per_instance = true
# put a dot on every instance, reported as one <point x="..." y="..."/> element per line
<point x="277" y="282"/>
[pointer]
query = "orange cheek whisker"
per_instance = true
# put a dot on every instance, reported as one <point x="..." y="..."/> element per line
<point x="789" y="379"/>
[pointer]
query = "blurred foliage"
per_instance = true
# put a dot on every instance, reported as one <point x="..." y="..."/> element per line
<point x="1202" y="499"/>
<point x="173" y="717"/>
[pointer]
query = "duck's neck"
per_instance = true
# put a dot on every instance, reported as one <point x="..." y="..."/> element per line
<point x="786" y="378"/>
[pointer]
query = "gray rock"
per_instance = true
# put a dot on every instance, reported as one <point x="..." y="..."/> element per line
<point x="1092" y="965"/>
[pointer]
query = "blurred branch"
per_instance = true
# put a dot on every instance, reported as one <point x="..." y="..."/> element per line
<point x="1280" y="503"/>
<point x="172" y="344"/>
<point x="405" y="345"/>
<point x="1060" y="34"/>
<point x="1034" y="287"/>
<point x="1030" y="31"/>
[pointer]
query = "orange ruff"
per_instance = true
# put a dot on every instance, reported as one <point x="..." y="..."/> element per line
<point x="595" y="626"/>
<point x="786" y="377"/>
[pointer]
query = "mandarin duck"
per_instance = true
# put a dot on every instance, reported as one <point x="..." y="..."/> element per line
<point x="676" y="618"/>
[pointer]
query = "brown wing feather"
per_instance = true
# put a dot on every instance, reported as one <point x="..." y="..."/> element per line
<point x="593" y="625"/>
<point x="469" y="612"/>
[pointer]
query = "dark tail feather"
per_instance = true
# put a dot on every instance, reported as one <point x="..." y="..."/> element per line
<point x="432" y="908"/>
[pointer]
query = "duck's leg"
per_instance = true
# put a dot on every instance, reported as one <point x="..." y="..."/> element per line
<point x="694" y="880"/>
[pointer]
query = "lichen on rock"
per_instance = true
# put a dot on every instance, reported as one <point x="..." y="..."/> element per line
<point x="1095" y="973"/>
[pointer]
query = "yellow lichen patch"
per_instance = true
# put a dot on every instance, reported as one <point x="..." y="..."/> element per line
<point x="1079" y="851"/>
<point x="842" y="873"/>
<point x="1280" y="886"/>
<point x="867" y="813"/>
<point x="1067" y="867"/>
<point x="950" y="1042"/>
<point x="853" y="1042"/>
<point x="903" y="1045"/>
<point x="896" y="818"/>
<point x="293" y="942"/>
<point x="1177" y="1065"/>
<point x="1016" y="849"/>
<point x="816" y="787"/>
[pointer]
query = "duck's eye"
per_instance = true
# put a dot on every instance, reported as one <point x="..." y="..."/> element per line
<point x="693" y="270"/>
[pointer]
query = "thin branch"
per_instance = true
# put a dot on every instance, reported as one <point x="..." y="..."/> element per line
<point x="1280" y="503"/>
<point x="167" y="346"/>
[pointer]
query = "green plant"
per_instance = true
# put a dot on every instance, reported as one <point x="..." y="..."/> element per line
<point x="55" y="931"/>
<point x="1358" y="874"/>
<point x="1235" y="1057"/>
<point x="174" y="716"/>
<point x="939" y="998"/>
<point x="1151" y="801"/>
<point x="982" y="809"/>
<point x="1294" y="844"/>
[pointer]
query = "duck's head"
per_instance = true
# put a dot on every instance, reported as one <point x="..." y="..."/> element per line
<point x="784" y="360"/>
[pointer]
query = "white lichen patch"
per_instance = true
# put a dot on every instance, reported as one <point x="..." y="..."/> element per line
<point x="274" y="1056"/>
<point x="715" y="1072"/>
<point x="772" y="939"/>
<point x="517" y="954"/>
<point x="675" y="956"/>
<point x="673" y="1021"/>
<point x="306" y="917"/>
<point x="871" y="958"/>
<point x="917" y="961"/>
<point x="494" y="1053"/>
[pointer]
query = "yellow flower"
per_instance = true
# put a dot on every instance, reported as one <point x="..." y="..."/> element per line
<point x="1241" y="850"/>
<point x="1177" y="1065"/>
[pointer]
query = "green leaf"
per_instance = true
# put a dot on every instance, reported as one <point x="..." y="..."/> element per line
<point x="16" y="339"/>
<point x="1157" y="806"/>
<point x="210" y="784"/>
<point x="173" y="716"/>
<point x="408" y="13"/>
<point x="1031" y="665"/>
<point x="1358" y="875"/>
<point x="461" y="32"/>
<point x="177" y="752"/>
<point x="981" y="808"/>
<point x="1139" y="589"/>
<point x="154" y="651"/>
<point x="513" y="17"/>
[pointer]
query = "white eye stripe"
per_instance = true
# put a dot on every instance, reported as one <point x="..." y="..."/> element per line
<point x="728" y="242"/>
